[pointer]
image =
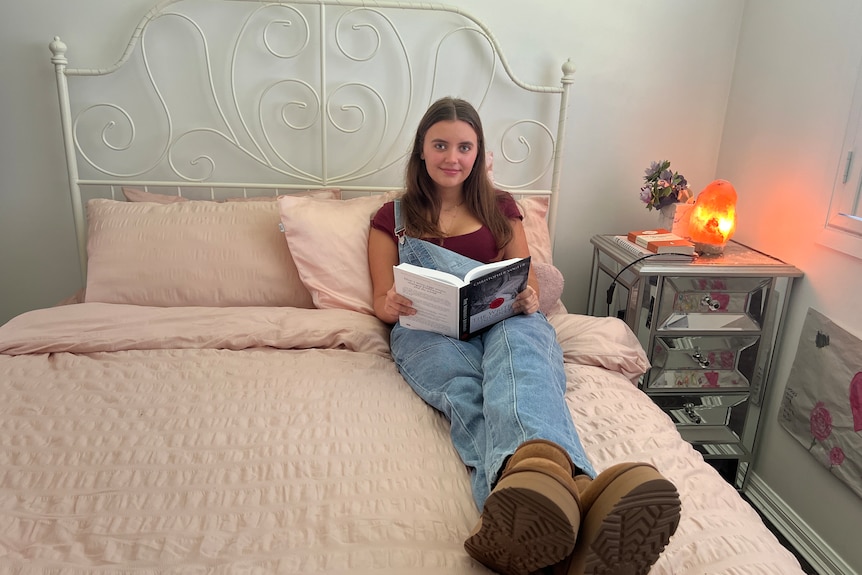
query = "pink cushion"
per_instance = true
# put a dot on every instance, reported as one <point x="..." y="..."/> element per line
<point x="194" y="253"/>
<point x="551" y="284"/>
<point x="329" y="243"/>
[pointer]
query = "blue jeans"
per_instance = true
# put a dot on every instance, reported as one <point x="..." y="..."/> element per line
<point x="497" y="389"/>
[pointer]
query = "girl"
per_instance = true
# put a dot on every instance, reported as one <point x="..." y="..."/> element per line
<point x="503" y="391"/>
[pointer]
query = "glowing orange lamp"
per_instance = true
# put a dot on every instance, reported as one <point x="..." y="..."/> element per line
<point x="713" y="218"/>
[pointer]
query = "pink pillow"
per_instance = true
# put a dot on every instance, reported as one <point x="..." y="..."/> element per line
<point x="602" y="342"/>
<point x="535" y="212"/>
<point x="194" y="253"/>
<point x="329" y="243"/>
<point x="136" y="195"/>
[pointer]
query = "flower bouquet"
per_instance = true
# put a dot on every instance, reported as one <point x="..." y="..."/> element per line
<point x="662" y="187"/>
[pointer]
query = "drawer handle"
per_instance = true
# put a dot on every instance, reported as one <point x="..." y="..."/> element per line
<point x="700" y="359"/>
<point x="711" y="304"/>
<point x="691" y="413"/>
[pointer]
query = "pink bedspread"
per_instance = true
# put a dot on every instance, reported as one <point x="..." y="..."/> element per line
<point x="237" y="440"/>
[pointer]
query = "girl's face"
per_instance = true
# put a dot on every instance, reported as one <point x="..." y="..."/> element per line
<point x="449" y="151"/>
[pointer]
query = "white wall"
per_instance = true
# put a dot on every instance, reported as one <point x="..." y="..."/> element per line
<point x="37" y="246"/>
<point x="656" y="80"/>
<point x="652" y="82"/>
<point x="792" y="88"/>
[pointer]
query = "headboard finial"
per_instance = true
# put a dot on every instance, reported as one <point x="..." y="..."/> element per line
<point x="568" y="72"/>
<point x="58" y="49"/>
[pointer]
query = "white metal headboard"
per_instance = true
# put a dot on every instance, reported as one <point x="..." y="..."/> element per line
<point x="231" y="97"/>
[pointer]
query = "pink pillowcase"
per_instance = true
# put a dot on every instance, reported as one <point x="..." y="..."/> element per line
<point x="136" y="195"/>
<point x="535" y="212"/>
<point x="329" y="243"/>
<point x="194" y="253"/>
<point x="200" y="252"/>
<point x="602" y="342"/>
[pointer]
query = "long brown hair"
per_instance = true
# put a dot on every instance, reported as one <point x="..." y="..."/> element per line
<point x="421" y="204"/>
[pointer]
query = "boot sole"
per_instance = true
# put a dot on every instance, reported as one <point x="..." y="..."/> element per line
<point x="529" y="521"/>
<point x="629" y="525"/>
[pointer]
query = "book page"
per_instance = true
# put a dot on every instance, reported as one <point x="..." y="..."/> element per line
<point x="435" y="302"/>
<point x="484" y="269"/>
<point x="433" y="274"/>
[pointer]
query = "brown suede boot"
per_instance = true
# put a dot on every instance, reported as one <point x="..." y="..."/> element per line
<point x="631" y="511"/>
<point x="531" y="518"/>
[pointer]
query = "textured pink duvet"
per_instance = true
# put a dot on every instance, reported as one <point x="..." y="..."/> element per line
<point x="246" y="440"/>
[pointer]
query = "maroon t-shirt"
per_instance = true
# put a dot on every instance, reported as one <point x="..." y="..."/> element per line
<point x="478" y="245"/>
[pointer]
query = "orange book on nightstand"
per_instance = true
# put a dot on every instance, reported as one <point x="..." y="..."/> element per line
<point x="661" y="241"/>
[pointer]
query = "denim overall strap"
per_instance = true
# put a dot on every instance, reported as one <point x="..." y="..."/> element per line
<point x="399" y="222"/>
<point x="427" y="255"/>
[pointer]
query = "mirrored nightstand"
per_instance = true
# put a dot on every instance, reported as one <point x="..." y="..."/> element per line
<point x="708" y="327"/>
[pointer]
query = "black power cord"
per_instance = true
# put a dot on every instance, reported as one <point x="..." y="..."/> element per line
<point x="613" y="286"/>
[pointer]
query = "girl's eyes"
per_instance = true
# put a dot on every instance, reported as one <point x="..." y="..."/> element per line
<point x="464" y="148"/>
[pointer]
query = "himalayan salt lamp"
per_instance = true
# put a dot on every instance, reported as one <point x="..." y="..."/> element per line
<point x="713" y="218"/>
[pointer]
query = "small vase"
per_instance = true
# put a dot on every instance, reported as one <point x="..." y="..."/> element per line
<point x="674" y="217"/>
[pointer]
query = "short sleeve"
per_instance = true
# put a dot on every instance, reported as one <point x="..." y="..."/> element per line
<point x="384" y="220"/>
<point x="508" y="206"/>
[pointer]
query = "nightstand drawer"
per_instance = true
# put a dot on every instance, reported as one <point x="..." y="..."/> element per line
<point x="703" y="361"/>
<point x="707" y="418"/>
<point x="711" y="303"/>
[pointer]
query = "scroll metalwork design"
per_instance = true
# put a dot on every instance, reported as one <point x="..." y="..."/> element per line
<point x="254" y="94"/>
<point x="290" y="112"/>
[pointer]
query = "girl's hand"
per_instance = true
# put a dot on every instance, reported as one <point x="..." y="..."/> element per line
<point x="398" y="305"/>
<point x="527" y="301"/>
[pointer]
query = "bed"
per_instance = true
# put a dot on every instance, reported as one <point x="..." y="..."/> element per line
<point x="218" y="399"/>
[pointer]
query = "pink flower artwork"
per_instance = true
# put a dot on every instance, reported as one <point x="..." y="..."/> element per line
<point x="821" y="423"/>
<point x="711" y="379"/>
<point x="727" y="359"/>
<point x="836" y="456"/>
<point x="856" y="401"/>
<point x="722" y="298"/>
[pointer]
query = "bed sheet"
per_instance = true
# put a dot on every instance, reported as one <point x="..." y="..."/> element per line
<point x="284" y="440"/>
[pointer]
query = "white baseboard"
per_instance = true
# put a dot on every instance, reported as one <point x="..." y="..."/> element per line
<point x="816" y="551"/>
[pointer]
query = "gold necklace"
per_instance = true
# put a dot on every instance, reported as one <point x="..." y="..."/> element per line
<point x="451" y="214"/>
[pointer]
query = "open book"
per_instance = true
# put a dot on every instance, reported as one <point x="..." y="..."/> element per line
<point x="461" y="308"/>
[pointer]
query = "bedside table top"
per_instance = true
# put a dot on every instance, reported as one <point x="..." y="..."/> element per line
<point x="737" y="259"/>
